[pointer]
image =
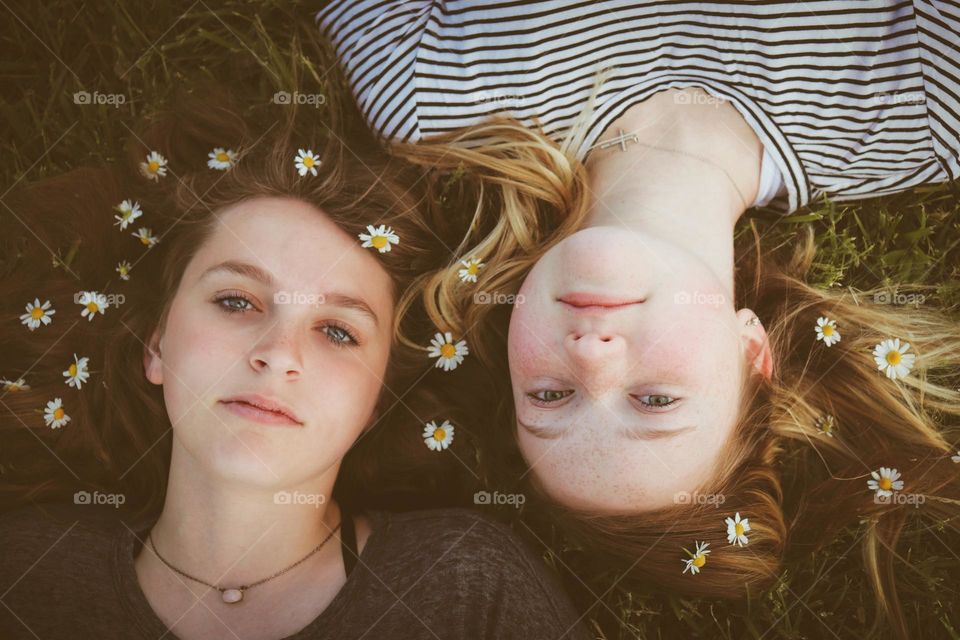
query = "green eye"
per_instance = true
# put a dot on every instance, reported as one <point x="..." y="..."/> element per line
<point x="548" y="396"/>
<point x="656" y="401"/>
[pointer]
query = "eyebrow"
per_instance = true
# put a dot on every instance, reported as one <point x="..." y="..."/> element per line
<point x="634" y="434"/>
<point x="253" y="272"/>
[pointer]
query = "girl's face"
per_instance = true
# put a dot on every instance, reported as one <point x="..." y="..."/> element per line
<point x="281" y="303"/>
<point x="625" y="407"/>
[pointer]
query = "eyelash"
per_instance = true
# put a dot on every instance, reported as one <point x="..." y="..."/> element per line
<point x="655" y="407"/>
<point x="236" y="295"/>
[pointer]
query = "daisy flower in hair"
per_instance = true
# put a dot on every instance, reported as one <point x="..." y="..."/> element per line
<point x="438" y="438"/>
<point x="222" y="159"/>
<point x="826" y="425"/>
<point x="697" y="559"/>
<point x="92" y="303"/>
<point x="827" y="331"/>
<point x="380" y="238"/>
<point x="13" y="386"/>
<point x="470" y="269"/>
<point x="155" y="167"/>
<point x="956" y="458"/>
<point x="737" y="530"/>
<point x="306" y="162"/>
<point x="128" y="212"/>
<point x="885" y="482"/>
<point x="37" y="314"/>
<point x="77" y="373"/>
<point x="123" y="268"/>
<point x="55" y="415"/>
<point x="146" y="237"/>
<point x="449" y="354"/>
<point x="892" y="358"/>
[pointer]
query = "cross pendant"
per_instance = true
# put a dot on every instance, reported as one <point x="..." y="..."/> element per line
<point x="621" y="140"/>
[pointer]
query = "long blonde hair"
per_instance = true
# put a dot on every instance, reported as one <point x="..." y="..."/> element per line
<point x="519" y="193"/>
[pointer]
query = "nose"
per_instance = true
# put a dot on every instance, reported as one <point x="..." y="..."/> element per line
<point x="598" y="355"/>
<point x="278" y="351"/>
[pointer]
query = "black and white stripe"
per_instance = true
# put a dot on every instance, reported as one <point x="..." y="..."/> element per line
<point x="850" y="99"/>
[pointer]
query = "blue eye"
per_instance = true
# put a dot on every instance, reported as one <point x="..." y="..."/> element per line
<point x="337" y="334"/>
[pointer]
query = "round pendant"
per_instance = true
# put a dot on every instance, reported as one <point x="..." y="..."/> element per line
<point x="231" y="596"/>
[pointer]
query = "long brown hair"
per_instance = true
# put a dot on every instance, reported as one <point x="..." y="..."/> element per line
<point x="59" y="238"/>
<point x="797" y="486"/>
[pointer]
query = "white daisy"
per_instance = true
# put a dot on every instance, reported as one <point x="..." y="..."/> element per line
<point x="306" y="161"/>
<point x="470" y="269"/>
<point x="155" y="167"/>
<point x="37" y="314"/>
<point x="128" y="213"/>
<point x="826" y="425"/>
<point x="697" y="559"/>
<point x="93" y="303"/>
<point x="76" y="374"/>
<point x="438" y="438"/>
<point x="123" y="268"/>
<point x="379" y="238"/>
<point x="737" y="530"/>
<point x="885" y="482"/>
<point x="146" y="237"/>
<point x="13" y="386"/>
<point x="956" y="458"/>
<point x="54" y="415"/>
<point x="449" y="355"/>
<point x="827" y="331"/>
<point x="892" y="357"/>
<point x="222" y="159"/>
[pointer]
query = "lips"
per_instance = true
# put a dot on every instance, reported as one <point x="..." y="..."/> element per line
<point x="263" y="407"/>
<point x="587" y="300"/>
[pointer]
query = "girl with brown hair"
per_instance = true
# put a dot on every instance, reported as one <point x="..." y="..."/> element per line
<point x="228" y="332"/>
<point x="686" y="408"/>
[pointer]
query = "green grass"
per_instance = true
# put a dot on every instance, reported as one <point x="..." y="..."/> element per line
<point x="144" y="51"/>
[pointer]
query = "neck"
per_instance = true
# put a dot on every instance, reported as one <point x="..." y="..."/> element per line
<point x="657" y="188"/>
<point x="229" y="534"/>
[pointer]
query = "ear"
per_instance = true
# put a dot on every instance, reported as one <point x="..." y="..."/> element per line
<point x="152" y="363"/>
<point x="756" y="344"/>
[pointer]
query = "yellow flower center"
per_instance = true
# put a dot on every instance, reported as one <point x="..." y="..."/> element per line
<point x="13" y="388"/>
<point x="58" y="414"/>
<point x="893" y="357"/>
<point x="308" y="162"/>
<point x="379" y="242"/>
<point x="827" y="330"/>
<point x="92" y="307"/>
<point x="885" y="483"/>
<point x="473" y="268"/>
<point x="152" y="166"/>
<point x="72" y="371"/>
<point x="699" y="561"/>
<point x="223" y="157"/>
<point x="738" y="528"/>
<point x="448" y="350"/>
<point x="145" y="239"/>
<point x="37" y="313"/>
<point x="439" y="434"/>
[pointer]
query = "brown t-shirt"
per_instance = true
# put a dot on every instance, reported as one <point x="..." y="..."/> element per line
<point x="67" y="571"/>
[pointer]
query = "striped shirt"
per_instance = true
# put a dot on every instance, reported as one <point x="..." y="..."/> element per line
<point x="849" y="99"/>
